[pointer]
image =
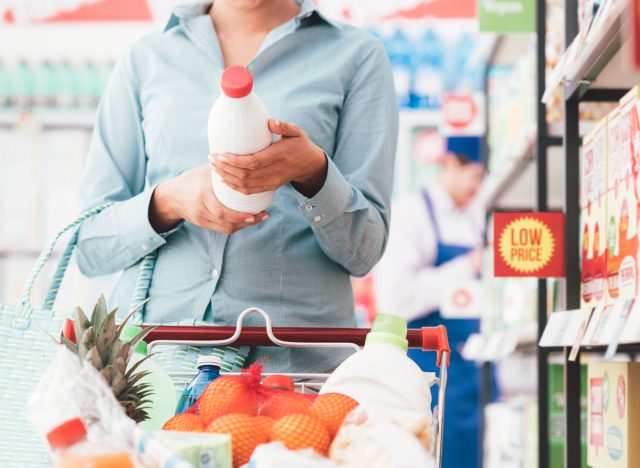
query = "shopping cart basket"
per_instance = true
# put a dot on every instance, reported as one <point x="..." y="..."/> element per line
<point x="427" y="338"/>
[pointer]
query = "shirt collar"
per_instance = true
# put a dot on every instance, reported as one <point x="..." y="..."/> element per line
<point x="191" y="10"/>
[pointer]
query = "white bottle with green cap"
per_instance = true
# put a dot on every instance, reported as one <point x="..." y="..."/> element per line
<point x="164" y="397"/>
<point x="382" y="372"/>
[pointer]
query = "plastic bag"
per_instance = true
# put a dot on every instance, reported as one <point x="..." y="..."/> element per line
<point x="384" y="436"/>
<point x="72" y="388"/>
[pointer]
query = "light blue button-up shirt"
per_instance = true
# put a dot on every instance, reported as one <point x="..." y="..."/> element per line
<point x="331" y="79"/>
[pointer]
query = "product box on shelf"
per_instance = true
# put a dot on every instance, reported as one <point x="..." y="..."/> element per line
<point x="556" y="414"/>
<point x="593" y="205"/>
<point x="630" y="140"/>
<point x="613" y="414"/>
<point x="622" y="215"/>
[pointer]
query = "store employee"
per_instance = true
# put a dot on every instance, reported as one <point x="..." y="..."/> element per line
<point x="435" y="239"/>
<point x="330" y="87"/>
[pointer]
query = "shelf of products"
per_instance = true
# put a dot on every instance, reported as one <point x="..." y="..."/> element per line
<point x="591" y="51"/>
<point x="608" y="325"/>
<point x="501" y="344"/>
<point x="497" y="181"/>
<point x="49" y="118"/>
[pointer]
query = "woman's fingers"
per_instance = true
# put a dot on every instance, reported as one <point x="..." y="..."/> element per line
<point x="251" y="162"/>
<point x="247" y="186"/>
<point x="285" y="129"/>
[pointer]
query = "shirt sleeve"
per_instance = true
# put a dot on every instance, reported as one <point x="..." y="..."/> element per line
<point x="350" y="213"/>
<point x="406" y="281"/>
<point x="115" y="171"/>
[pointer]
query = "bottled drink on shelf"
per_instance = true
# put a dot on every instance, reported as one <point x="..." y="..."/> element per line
<point x="428" y="84"/>
<point x="400" y="52"/>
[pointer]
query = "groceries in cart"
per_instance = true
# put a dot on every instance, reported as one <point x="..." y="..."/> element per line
<point x="99" y="395"/>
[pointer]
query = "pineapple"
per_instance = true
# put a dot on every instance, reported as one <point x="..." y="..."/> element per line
<point x="98" y="341"/>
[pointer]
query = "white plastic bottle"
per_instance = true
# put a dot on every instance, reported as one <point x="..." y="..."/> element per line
<point x="238" y="124"/>
<point x="382" y="373"/>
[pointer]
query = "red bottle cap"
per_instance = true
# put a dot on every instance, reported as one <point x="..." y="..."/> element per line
<point x="278" y="382"/>
<point x="237" y="82"/>
<point x="67" y="434"/>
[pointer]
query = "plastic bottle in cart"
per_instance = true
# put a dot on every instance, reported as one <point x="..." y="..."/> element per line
<point x="163" y="398"/>
<point x="238" y="124"/>
<point x="71" y="449"/>
<point x="382" y="372"/>
<point x="208" y="371"/>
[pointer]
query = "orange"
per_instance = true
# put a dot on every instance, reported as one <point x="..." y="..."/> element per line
<point x="227" y="395"/>
<point x="265" y="423"/>
<point x="184" y="422"/>
<point x="300" y="431"/>
<point x="245" y="434"/>
<point x="331" y="409"/>
<point x="283" y="403"/>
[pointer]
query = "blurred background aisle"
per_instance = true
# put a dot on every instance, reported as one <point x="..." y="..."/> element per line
<point x="461" y="68"/>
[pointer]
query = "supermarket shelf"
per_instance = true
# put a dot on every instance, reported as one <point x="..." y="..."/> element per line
<point x="500" y="344"/>
<point x="497" y="182"/>
<point x="31" y="252"/>
<point x="617" y="325"/>
<point x="48" y="118"/>
<point x="602" y="45"/>
<point x="556" y="129"/>
<point x="410" y="118"/>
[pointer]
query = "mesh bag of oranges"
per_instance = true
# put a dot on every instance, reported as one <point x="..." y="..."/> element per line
<point x="253" y="411"/>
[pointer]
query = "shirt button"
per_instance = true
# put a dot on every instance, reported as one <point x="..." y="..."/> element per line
<point x="143" y="247"/>
<point x="215" y="273"/>
<point x="317" y="219"/>
<point x="308" y="207"/>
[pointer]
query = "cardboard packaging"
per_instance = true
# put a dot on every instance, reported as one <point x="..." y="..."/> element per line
<point x="630" y="154"/>
<point x="622" y="215"/>
<point x="613" y="415"/>
<point x="556" y="415"/>
<point x="593" y="201"/>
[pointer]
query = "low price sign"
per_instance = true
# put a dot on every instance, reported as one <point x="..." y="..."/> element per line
<point x="529" y="244"/>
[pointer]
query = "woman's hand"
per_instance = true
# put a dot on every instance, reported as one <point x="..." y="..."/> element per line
<point x="190" y="197"/>
<point x="293" y="158"/>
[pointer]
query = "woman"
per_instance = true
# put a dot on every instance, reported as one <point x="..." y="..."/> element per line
<point x="332" y="170"/>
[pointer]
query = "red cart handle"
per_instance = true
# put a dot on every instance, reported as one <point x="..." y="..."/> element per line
<point x="436" y="339"/>
<point x="427" y="339"/>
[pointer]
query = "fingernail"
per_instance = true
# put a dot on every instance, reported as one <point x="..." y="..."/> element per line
<point x="249" y="220"/>
<point x="265" y="218"/>
<point x="222" y="158"/>
<point x="276" y="122"/>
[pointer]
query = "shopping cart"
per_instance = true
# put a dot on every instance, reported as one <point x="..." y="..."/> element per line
<point x="428" y="339"/>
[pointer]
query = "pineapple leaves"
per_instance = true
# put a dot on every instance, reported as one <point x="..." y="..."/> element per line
<point x="93" y="356"/>
<point x="69" y="344"/>
<point x="106" y="336"/>
<point x="80" y="322"/>
<point x="99" y="313"/>
<point x="98" y="342"/>
<point x="140" y="336"/>
<point x="86" y="341"/>
<point x="130" y="314"/>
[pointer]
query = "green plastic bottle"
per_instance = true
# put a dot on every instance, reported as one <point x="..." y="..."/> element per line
<point x="163" y="399"/>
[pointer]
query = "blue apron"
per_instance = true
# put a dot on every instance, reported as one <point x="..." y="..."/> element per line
<point x="462" y="411"/>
